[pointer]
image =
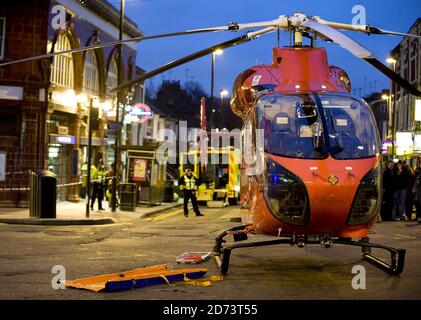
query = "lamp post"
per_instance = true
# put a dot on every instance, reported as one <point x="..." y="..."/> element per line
<point x="118" y="132"/>
<point x="388" y="99"/>
<point x="216" y="52"/>
<point x="223" y="93"/>
<point x="393" y="61"/>
<point x="93" y="103"/>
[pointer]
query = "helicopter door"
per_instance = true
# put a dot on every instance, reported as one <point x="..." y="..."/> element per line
<point x="248" y="179"/>
<point x="253" y="146"/>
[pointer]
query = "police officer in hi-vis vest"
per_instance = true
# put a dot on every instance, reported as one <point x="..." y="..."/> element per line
<point x="188" y="184"/>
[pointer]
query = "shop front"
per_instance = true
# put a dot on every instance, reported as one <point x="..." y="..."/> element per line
<point x="60" y="158"/>
<point x="417" y="150"/>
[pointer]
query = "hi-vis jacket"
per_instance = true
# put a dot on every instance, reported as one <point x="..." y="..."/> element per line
<point x="98" y="175"/>
<point x="188" y="183"/>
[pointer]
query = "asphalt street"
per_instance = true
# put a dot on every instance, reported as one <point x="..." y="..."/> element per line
<point x="28" y="254"/>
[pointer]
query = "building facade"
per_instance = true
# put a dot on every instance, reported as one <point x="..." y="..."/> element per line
<point x="379" y="104"/>
<point x="408" y="65"/>
<point x="44" y="103"/>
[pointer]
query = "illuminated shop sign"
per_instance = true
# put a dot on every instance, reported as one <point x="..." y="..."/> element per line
<point x="404" y="143"/>
<point x="65" y="98"/>
<point x="62" y="139"/>
<point x="417" y="142"/>
<point x="417" y="110"/>
<point x="386" y="147"/>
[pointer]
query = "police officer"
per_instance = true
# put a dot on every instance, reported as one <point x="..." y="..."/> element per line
<point x="188" y="184"/>
<point x="98" y="178"/>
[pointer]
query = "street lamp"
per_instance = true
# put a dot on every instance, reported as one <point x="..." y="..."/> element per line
<point x="216" y="52"/>
<point x="223" y="93"/>
<point x="393" y="61"/>
<point x="388" y="99"/>
<point x="119" y="98"/>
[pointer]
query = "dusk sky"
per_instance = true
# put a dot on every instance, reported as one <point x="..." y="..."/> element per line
<point x="163" y="16"/>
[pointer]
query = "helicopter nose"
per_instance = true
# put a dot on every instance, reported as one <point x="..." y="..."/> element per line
<point x="333" y="197"/>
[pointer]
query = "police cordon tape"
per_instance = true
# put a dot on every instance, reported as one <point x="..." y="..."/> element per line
<point x="58" y="186"/>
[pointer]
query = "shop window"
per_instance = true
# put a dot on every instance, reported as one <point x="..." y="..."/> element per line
<point x="62" y="67"/>
<point x="112" y="77"/>
<point x="90" y="74"/>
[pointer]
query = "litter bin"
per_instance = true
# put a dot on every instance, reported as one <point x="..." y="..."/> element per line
<point x="43" y="195"/>
<point x="169" y="191"/>
<point x="128" y="197"/>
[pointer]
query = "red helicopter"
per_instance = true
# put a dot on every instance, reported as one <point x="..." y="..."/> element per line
<point x="315" y="177"/>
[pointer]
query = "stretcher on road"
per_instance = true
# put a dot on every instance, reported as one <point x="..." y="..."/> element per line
<point x="137" y="278"/>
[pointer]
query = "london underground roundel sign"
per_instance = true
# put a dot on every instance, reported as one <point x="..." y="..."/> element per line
<point x="142" y="112"/>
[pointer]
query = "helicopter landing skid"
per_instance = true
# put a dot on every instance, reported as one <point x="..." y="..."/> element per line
<point x="222" y="255"/>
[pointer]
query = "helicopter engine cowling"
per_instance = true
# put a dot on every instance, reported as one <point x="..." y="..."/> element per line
<point x="292" y="70"/>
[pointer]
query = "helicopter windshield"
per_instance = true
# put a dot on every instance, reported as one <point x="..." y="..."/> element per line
<point x="312" y="126"/>
<point x="292" y="126"/>
<point x="351" y="126"/>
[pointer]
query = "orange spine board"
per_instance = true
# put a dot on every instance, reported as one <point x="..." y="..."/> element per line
<point x="98" y="283"/>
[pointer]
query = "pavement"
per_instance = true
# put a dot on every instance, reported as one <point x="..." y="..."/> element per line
<point x="30" y="256"/>
<point x="71" y="213"/>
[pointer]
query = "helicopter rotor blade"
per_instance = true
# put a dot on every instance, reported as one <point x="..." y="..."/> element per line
<point x="114" y="43"/>
<point x="230" y="43"/>
<point x="281" y="22"/>
<point x="361" y="52"/>
<point x="362" y="28"/>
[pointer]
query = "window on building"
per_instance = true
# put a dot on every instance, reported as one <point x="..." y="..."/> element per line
<point x="140" y="92"/>
<point x="396" y="88"/>
<point x="112" y="77"/>
<point x="2" y="36"/>
<point x="414" y="51"/>
<point x="9" y="122"/>
<point x="90" y="74"/>
<point x="384" y="130"/>
<point x="384" y="108"/>
<point x="62" y="67"/>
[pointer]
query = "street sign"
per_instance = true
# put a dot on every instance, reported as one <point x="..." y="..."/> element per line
<point x="110" y="132"/>
<point x="115" y="126"/>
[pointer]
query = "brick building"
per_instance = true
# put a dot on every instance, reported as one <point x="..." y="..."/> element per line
<point x="44" y="103"/>
<point x="408" y="65"/>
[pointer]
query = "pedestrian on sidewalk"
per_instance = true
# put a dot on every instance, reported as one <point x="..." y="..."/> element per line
<point x="188" y="184"/>
<point x="400" y="179"/>
<point x="388" y="192"/>
<point x="98" y="179"/>
<point x="417" y="193"/>
<point x="409" y="201"/>
<point x="109" y="186"/>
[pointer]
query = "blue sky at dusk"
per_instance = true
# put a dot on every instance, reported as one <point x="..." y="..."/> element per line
<point x="163" y="16"/>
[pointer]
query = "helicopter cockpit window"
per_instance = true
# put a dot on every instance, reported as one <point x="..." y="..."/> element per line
<point x="292" y="126"/>
<point x="351" y="127"/>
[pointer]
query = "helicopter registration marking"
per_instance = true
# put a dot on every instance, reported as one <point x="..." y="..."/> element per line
<point x="256" y="80"/>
